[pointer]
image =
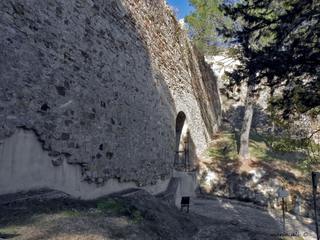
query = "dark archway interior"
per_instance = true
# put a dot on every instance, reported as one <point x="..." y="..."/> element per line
<point x="181" y="118"/>
<point x="181" y="148"/>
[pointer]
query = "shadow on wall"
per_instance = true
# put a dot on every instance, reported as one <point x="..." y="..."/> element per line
<point x="206" y="93"/>
<point x="85" y="85"/>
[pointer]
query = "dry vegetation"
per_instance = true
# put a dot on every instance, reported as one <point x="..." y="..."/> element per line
<point x="284" y="167"/>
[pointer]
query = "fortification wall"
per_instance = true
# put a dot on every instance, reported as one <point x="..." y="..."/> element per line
<point x="90" y="91"/>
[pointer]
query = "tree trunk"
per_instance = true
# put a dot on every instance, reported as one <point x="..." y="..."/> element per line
<point x="246" y="126"/>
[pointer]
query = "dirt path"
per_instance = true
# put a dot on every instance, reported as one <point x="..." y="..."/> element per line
<point x="237" y="220"/>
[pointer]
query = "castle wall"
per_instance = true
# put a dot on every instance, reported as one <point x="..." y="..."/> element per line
<point x="89" y="95"/>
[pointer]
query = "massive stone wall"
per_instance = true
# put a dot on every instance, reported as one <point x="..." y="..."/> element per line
<point x="99" y="83"/>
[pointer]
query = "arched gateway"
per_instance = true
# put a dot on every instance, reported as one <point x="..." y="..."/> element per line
<point x="182" y="156"/>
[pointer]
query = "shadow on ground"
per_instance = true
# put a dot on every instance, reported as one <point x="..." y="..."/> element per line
<point x="130" y="215"/>
<point x="136" y="215"/>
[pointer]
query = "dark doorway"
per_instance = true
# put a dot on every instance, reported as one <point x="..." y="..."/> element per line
<point x="182" y="161"/>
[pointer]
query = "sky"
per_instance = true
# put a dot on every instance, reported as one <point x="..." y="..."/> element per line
<point x="182" y="7"/>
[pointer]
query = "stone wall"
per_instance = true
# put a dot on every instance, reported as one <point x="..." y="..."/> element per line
<point x="99" y="83"/>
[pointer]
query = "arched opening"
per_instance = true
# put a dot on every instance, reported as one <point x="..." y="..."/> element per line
<point x="182" y="158"/>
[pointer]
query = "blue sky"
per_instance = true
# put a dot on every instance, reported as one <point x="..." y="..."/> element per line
<point x="182" y="7"/>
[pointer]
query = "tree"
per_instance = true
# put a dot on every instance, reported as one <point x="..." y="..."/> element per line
<point x="252" y="43"/>
<point x="203" y="23"/>
<point x="293" y="60"/>
<point x="280" y="47"/>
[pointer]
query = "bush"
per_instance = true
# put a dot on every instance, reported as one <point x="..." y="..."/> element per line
<point x="136" y="216"/>
<point x="287" y="145"/>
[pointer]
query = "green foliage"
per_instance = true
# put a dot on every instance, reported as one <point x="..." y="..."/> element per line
<point x="263" y="148"/>
<point x="313" y="150"/>
<point x="9" y="230"/>
<point x="233" y="52"/>
<point x="136" y="216"/>
<point x="225" y="148"/>
<point x="203" y="23"/>
<point x="111" y="206"/>
<point x="71" y="213"/>
<point x="314" y="112"/>
<point x="280" y="41"/>
<point x="305" y="152"/>
<point x="120" y="207"/>
<point x="286" y="144"/>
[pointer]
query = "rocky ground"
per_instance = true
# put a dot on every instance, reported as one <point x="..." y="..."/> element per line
<point x="222" y="174"/>
<point x="138" y="215"/>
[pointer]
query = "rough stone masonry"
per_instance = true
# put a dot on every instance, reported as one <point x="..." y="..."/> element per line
<point x="90" y="91"/>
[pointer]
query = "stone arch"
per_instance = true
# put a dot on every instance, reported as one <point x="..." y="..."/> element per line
<point x="182" y="158"/>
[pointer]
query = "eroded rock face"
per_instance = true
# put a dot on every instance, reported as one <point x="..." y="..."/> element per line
<point x="101" y="82"/>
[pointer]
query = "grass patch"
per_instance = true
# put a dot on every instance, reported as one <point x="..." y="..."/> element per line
<point x="118" y="207"/>
<point x="225" y="147"/>
<point x="266" y="148"/>
<point x="8" y="232"/>
<point x="261" y="147"/>
<point x="259" y="150"/>
<point x="8" y="229"/>
<point x="111" y="206"/>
